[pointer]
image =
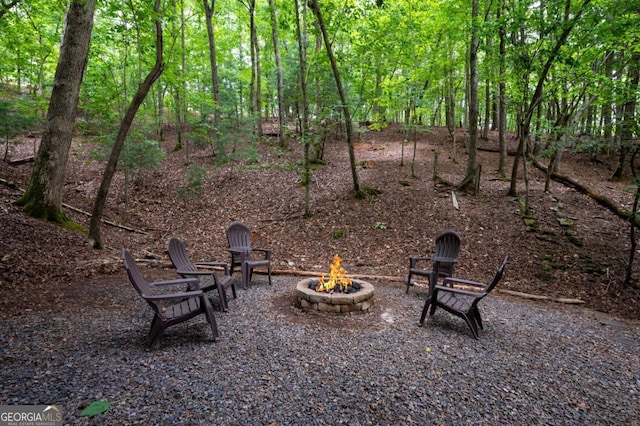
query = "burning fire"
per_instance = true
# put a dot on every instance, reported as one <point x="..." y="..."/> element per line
<point x="337" y="277"/>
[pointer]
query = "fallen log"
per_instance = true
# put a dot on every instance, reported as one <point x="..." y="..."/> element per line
<point x="18" y="161"/>
<point x="564" y="300"/>
<point x="77" y="210"/>
<point x="294" y="272"/>
<point x="597" y="197"/>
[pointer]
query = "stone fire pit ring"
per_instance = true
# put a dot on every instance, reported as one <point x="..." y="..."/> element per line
<point x="336" y="303"/>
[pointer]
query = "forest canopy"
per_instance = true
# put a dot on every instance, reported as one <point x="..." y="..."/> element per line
<point x="400" y="61"/>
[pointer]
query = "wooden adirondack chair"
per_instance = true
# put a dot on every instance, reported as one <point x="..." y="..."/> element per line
<point x="447" y="247"/>
<point x="239" y="238"/>
<point x="173" y="308"/>
<point x="208" y="279"/>
<point x="463" y="302"/>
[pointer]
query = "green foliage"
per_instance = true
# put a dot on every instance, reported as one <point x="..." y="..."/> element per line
<point x="15" y="118"/>
<point x="196" y="176"/>
<point x="201" y="134"/>
<point x="138" y="152"/>
<point x="236" y="142"/>
<point x="379" y="225"/>
<point x="337" y="234"/>
<point x="74" y="226"/>
<point x="379" y="123"/>
<point x="95" y="408"/>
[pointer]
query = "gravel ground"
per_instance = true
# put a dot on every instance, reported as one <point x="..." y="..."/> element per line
<point x="273" y="365"/>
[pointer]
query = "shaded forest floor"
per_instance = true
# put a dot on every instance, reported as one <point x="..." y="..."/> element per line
<point x="578" y="251"/>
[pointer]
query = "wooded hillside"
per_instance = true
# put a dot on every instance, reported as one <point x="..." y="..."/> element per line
<point x="217" y="85"/>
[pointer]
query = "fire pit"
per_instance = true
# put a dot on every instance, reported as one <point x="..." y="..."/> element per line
<point x="338" y="295"/>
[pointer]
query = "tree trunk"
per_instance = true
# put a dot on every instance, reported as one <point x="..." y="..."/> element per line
<point x="255" y="104"/>
<point x="315" y="7"/>
<point x="487" y="109"/>
<point x="502" y="96"/>
<point x="304" y="126"/>
<point x="525" y="123"/>
<point x="125" y="124"/>
<point x="280" y="85"/>
<point x="258" y="87"/>
<point x="43" y="197"/>
<point x="606" y="105"/>
<point x="209" y="10"/>
<point x="471" y="183"/>
<point x="628" y="122"/>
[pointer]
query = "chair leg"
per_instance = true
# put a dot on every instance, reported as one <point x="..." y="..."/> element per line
<point x="269" y="272"/>
<point x="156" y="330"/>
<point x="409" y="283"/>
<point x="472" y="325"/>
<point x="425" y="309"/>
<point x="245" y="278"/>
<point x="233" y="289"/>
<point x="208" y="312"/>
<point x="223" y="298"/>
<point x="478" y="318"/>
<point x="433" y="309"/>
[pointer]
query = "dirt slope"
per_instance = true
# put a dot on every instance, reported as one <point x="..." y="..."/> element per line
<point x="578" y="251"/>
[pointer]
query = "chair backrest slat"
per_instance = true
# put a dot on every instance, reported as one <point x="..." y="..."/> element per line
<point x="140" y="284"/>
<point x="497" y="277"/>
<point x="447" y="245"/>
<point x="178" y="255"/>
<point x="238" y="235"/>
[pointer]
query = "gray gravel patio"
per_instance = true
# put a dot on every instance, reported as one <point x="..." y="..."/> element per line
<point x="274" y="365"/>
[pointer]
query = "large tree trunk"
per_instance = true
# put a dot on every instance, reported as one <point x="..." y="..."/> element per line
<point x="209" y="10"/>
<point x="502" y="96"/>
<point x="125" y="124"/>
<point x="304" y="125"/>
<point x="315" y="7"/>
<point x="255" y="104"/>
<point x="43" y="197"/>
<point x="469" y="183"/>
<point x="276" y="49"/>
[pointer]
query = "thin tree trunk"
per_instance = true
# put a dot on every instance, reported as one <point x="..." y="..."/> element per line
<point x="487" y="109"/>
<point x="315" y="7"/>
<point x="304" y="126"/>
<point x="471" y="184"/>
<point x="280" y="84"/>
<point x="43" y="197"/>
<point x="258" y="87"/>
<point x="209" y="10"/>
<point x="125" y="124"/>
<point x="502" y="103"/>
<point x="633" y="218"/>
<point x="537" y="95"/>
<point x="628" y="122"/>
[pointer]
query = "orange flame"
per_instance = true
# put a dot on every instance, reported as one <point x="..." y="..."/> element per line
<point x="337" y="277"/>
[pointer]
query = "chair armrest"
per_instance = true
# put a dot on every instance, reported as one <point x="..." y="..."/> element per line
<point x="413" y="261"/>
<point x="460" y="291"/>
<point x="175" y="281"/>
<point x="239" y="250"/>
<point x="451" y="280"/>
<point x="266" y="252"/>
<point x="225" y="265"/>
<point x="181" y="272"/>
<point x="171" y="296"/>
